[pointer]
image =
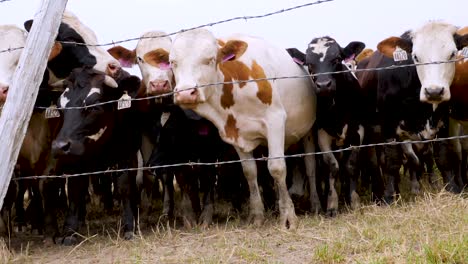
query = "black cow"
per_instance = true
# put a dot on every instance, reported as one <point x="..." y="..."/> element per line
<point x="95" y="138"/>
<point x="400" y="116"/>
<point x="340" y="112"/>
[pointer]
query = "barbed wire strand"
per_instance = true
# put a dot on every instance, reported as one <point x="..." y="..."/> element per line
<point x="2" y="1"/>
<point x="260" y="79"/>
<point x="192" y="28"/>
<point x="239" y="160"/>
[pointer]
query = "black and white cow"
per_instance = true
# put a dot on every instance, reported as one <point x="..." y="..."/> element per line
<point x="96" y="138"/>
<point x="340" y="113"/>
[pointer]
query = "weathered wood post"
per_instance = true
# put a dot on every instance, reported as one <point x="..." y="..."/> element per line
<point x="22" y="94"/>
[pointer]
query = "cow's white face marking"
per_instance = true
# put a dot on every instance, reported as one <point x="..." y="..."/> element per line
<point x="434" y="42"/>
<point x="164" y="117"/>
<point x="149" y="72"/>
<point x="189" y="67"/>
<point x="10" y="37"/>
<point x="93" y="91"/>
<point x="103" y="58"/>
<point x="63" y="98"/>
<point x="321" y="47"/>
<point x="98" y="135"/>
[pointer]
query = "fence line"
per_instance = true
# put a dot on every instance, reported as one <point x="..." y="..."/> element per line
<point x="2" y="1"/>
<point x="392" y="67"/>
<point x="240" y="160"/>
<point x="192" y="28"/>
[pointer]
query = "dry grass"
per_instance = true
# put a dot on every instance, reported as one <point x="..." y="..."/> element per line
<point x="433" y="229"/>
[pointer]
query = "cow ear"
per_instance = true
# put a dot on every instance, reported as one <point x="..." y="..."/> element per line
<point x="389" y="45"/>
<point x="232" y="50"/>
<point x="28" y="25"/>
<point x="126" y="57"/>
<point x="461" y="41"/>
<point x="56" y="49"/>
<point x="352" y="50"/>
<point x="297" y="55"/>
<point x="364" y="55"/>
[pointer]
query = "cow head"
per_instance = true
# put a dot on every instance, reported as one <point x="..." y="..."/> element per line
<point x="433" y="42"/>
<point x="326" y="55"/>
<point x="86" y="130"/>
<point x="10" y="37"/>
<point x="73" y="56"/>
<point x="152" y="56"/>
<point x="194" y="58"/>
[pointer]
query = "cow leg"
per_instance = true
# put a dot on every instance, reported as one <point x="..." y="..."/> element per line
<point x="391" y="171"/>
<point x="447" y="156"/>
<point x="257" y="210"/>
<point x="207" y="184"/>
<point x="19" y="205"/>
<point x="277" y="168"/>
<point x="325" y="144"/>
<point x="190" y="203"/>
<point x="35" y="208"/>
<point x="310" y="165"/>
<point x="126" y="187"/>
<point x="51" y="198"/>
<point x="413" y="165"/>
<point x="168" y="194"/>
<point x="77" y="188"/>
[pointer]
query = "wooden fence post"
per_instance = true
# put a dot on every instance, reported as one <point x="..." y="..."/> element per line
<point x="14" y="119"/>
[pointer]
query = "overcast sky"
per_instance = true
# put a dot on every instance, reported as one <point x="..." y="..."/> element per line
<point x="346" y="20"/>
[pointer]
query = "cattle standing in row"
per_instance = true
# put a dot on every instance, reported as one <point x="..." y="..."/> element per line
<point x="340" y="112"/>
<point x="275" y="113"/>
<point x="182" y="136"/>
<point x="414" y="95"/>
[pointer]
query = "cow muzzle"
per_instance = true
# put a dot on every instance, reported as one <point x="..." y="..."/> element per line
<point x="3" y="93"/>
<point x="434" y="94"/>
<point x="157" y="87"/>
<point x="186" y="97"/>
<point x="113" y="69"/>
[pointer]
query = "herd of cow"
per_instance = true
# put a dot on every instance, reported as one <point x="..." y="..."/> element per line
<point x="228" y="116"/>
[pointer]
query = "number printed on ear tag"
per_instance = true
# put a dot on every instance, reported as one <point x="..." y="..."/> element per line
<point x="400" y="54"/>
<point x="124" y="102"/>
<point x="52" y="112"/>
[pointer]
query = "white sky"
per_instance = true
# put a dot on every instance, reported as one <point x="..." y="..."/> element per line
<point x="346" y="20"/>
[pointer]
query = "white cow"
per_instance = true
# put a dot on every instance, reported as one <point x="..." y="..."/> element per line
<point x="273" y="113"/>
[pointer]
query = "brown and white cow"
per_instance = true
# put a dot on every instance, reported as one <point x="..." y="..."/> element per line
<point x="273" y="113"/>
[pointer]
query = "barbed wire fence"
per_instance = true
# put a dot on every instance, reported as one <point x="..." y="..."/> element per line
<point x="392" y="67"/>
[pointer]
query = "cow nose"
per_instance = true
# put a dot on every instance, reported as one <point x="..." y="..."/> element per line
<point x="158" y="87"/>
<point x="434" y="93"/>
<point x="324" y="84"/>
<point x="188" y="96"/>
<point x="61" y="146"/>
<point x="113" y="69"/>
<point x="3" y="92"/>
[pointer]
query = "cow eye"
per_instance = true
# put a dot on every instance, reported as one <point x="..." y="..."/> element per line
<point x="173" y="63"/>
<point x="415" y="58"/>
<point x="453" y="55"/>
<point x="140" y="60"/>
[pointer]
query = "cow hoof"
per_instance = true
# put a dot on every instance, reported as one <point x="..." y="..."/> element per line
<point x="189" y="223"/>
<point x="48" y="241"/>
<point x="355" y="201"/>
<point x="289" y="221"/>
<point x="388" y="200"/>
<point x="315" y="206"/>
<point x="331" y="212"/>
<point x="256" y="219"/>
<point x="128" y="235"/>
<point x="69" y="241"/>
<point x="206" y="218"/>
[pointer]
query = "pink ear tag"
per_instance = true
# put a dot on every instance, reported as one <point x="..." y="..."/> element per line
<point x="298" y="61"/>
<point x="228" y="57"/>
<point x="165" y="66"/>
<point x="125" y="63"/>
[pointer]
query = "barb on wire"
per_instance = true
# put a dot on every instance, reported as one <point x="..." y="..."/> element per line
<point x="300" y="155"/>
<point x="197" y="27"/>
<point x="263" y="79"/>
<point x="1" y="1"/>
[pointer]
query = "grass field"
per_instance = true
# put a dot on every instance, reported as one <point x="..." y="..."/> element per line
<point x="431" y="229"/>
